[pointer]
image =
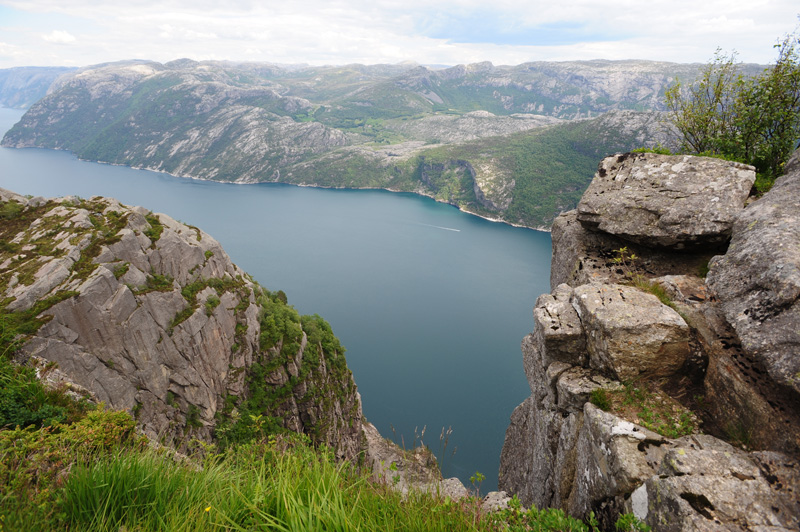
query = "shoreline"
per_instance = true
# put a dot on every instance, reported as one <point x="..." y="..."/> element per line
<point x="540" y="229"/>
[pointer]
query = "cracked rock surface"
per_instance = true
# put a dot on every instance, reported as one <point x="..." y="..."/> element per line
<point x="726" y="346"/>
<point x="150" y="315"/>
<point x="666" y="200"/>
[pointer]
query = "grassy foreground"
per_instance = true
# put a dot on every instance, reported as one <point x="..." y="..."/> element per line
<point x="69" y="465"/>
<point x="96" y="475"/>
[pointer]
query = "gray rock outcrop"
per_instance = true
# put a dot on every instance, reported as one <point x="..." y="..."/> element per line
<point x="631" y="333"/>
<point x="666" y="200"/>
<point x="408" y="470"/>
<point x="723" y="351"/>
<point x="757" y="281"/>
<point x="151" y="316"/>
<point x="586" y="256"/>
<point x="706" y="484"/>
<point x="560" y="450"/>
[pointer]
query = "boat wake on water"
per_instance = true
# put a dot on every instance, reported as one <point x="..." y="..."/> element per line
<point x="440" y="227"/>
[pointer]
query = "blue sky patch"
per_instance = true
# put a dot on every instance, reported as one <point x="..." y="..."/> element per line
<point x="489" y="27"/>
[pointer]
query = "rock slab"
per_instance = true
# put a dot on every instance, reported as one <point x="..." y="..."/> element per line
<point x="757" y="282"/>
<point x="672" y="201"/>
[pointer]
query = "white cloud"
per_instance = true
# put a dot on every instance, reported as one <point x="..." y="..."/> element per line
<point x="372" y="31"/>
<point x="9" y="50"/>
<point x="59" y="37"/>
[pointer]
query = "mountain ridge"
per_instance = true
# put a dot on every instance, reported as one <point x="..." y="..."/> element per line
<point x="363" y="126"/>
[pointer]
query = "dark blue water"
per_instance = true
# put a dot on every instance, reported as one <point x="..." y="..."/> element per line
<point x="431" y="303"/>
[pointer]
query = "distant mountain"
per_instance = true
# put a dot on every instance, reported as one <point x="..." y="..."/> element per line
<point x="517" y="144"/>
<point x="22" y="87"/>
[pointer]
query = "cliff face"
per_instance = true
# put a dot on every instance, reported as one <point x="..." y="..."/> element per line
<point x="625" y="383"/>
<point x="150" y="316"/>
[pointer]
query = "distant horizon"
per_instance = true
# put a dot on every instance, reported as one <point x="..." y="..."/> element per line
<point x="77" y="33"/>
<point x="399" y="63"/>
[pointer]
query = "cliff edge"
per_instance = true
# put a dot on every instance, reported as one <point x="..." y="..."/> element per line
<point x="149" y="315"/>
<point x="656" y="389"/>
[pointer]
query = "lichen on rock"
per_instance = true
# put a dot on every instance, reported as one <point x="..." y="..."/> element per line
<point x="151" y="316"/>
<point x="724" y="347"/>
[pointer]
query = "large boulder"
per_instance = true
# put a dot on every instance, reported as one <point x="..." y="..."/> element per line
<point x="672" y="201"/>
<point x="705" y="484"/>
<point x="613" y="457"/>
<point x="630" y="334"/>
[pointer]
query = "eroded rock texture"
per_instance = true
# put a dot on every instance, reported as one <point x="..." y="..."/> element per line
<point x="726" y="347"/>
<point x="666" y="200"/>
<point x="560" y="450"/>
<point x="705" y="484"/>
<point x="151" y="316"/>
<point x="757" y="281"/>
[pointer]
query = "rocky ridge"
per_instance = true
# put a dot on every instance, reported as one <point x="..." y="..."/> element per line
<point x="625" y="383"/>
<point x="150" y="316"/>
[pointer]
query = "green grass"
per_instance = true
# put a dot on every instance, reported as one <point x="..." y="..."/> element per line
<point x="154" y="231"/>
<point x="280" y="485"/>
<point x="659" y="149"/>
<point x="283" y="484"/>
<point x="84" y="469"/>
<point x="655" y="289"/>
<point x="599" y="398"/>
<point x="10" y="210"/>
<point x="155" y="283"/>
<point x="643" y="404"/>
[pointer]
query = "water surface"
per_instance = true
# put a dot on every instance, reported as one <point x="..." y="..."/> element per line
<point x="431" y="303"/>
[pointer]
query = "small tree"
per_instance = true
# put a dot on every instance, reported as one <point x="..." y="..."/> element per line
<point x="753" y="120"/>
<point x="773" y="101"/>
<point x="704" y="112"/>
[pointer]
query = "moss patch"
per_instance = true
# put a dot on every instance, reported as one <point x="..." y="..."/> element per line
<point x="646" y="405"/>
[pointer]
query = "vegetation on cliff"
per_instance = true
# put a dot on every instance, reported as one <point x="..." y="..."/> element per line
<point x="750" y="119"/>
<point x="178" y="335"/>
<point x="92" y="472"/>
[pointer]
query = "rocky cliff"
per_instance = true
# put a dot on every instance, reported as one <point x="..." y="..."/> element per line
<point x="150" y="316"/>
<point x="657" y="389"/>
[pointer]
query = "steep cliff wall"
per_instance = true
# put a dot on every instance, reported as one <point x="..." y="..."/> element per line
<point x="151" y="316"/>
<point x="634" y="355"/>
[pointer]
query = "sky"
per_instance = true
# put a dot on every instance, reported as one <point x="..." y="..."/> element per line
<point x="430" y="32"/>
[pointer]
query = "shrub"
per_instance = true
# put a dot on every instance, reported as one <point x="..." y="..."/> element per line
<point x="211" y="303"/>
<point x="154" y="231"/>
<point x="10" y="209"/>
<point x="599" y="398"/>
<point x="753" y="120"/>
